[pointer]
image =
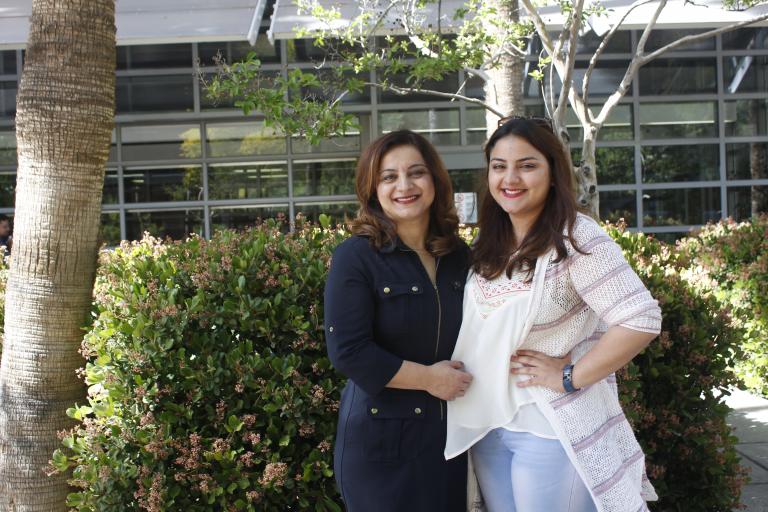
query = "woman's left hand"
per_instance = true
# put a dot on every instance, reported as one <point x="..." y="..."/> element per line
<point x="543" y="370"/>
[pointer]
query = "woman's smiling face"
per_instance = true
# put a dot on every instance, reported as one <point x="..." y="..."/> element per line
<point x="405" y="189"/>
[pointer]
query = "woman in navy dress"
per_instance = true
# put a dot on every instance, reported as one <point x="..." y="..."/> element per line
<point x="393" y="304"/>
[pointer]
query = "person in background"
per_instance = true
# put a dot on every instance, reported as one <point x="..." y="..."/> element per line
<point x="6" y="239"/>
<point x="393" y="303"/>
<point x="550" y="291"/>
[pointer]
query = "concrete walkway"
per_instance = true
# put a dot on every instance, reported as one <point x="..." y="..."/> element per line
<point x="750" y="421"/>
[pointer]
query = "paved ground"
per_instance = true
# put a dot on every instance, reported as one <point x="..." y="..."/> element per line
<point x="750" y="421"/>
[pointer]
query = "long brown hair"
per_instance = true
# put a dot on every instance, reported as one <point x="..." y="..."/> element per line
<point x="497" y="249"/>
<point x="371" y="221"/>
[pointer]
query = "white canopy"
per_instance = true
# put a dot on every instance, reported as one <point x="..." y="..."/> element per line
<point x="155" y="21"/>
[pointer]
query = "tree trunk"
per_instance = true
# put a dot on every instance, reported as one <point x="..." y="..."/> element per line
<point x="64" y="121"/>
<point x="504" y="89"/>
<point x="585" y="177"/>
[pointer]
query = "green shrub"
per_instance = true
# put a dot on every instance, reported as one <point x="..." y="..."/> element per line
<point x="210" y="388"/>
<point x="731" y="260"/>
<point x="209" y="384"/>
<point x="673" y="391"/>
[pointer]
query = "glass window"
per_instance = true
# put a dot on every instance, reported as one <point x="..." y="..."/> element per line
<point x="440" y="126"/>
<point x="248" y="181"/>
<point x="109" y="232"/>
<point x="169" y="93"/>
<point x="340" y="144"/>
<point x="236" y="51"/>
<point x="337" y="211"/>
<point x="745" y="73"/>
<point x="8" y="62"/>
<point x="746" y="117"/>
<point x="746" y="39"/>
<point x="669" y="238"/>
<point x="681" y="206"/>
<point x="664" y="164"/>
<point x="742" y="200"/>
<point x="449" y="84"/>
<point x="154" y="56"/>
<point x="113" y="147"/>
<point x="8" y="90"/>
<point x="7" y="189"/>
<point x="333" y="87"/>
<point x="678" y="76"/>
<point x="659" y="38"/>
<point x="615" y="165"/>
<point x="163" y="184"/>
<point x="161" y="142"/>
<point x="266" y="80"/>
<point x="474" y="86"/>
<point x="7" y="146"/>
<point x="621" y="42"/>
<point x="243" y="217"/>
<point x="110" y="193"/>
<point x="617" y="205"/>
<point x="476" y="126"/>
<point x="746" y="161"/>
<point x="323" y="177"/>
<point x="304" y="50"/>
<point x="605" y="79"/>
<point x="243" y="139"/>
<point x="678" y="120"/>
<point x="176" y="224"/>
<point x="618" y="126"/>
<point x="466" y="180"/>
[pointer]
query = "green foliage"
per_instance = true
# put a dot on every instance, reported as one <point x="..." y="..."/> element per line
<point x="730" y="261"/>
<point x="209" y="388"/>
<point x="672" y="392"/>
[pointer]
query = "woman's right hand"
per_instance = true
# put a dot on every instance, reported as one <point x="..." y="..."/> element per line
<point x="447" y="380"/>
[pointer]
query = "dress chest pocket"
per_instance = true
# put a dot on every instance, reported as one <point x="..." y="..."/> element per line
<point x="396" y="302"/>
<point x="394" y="429"/>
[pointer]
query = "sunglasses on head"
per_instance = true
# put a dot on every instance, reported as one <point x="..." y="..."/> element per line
<point x="539" y="121"/>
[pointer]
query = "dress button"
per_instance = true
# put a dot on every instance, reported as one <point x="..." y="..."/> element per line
<point x="374" y="410"/>
<point x="415" y="289"/>
<point x="417" y="410"/>
<point x="330" y="329"/>
<point x="386" y="289"/>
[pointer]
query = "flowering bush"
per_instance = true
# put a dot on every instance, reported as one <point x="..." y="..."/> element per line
<point x="209" y="384"/>
<point x="673" y="391"/>
<point x="730" y="260"/>
<point x="210" y="388"/>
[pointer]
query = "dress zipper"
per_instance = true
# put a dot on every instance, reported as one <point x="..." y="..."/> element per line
<point x="439" y="323"/>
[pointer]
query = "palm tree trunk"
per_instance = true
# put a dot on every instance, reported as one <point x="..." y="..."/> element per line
<point x="64" y="121"/>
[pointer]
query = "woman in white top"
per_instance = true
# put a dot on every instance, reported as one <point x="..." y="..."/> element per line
<point x="550" y="292"/>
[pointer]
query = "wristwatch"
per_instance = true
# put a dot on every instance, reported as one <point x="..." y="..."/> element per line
<point x="568" y="379"/>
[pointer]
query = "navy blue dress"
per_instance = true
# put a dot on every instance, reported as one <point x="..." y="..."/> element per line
<point x="380" y="309"/>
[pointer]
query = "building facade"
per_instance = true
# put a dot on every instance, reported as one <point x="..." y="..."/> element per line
<point x="686" y="146"/>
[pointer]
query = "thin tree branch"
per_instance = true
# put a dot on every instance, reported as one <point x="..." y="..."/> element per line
<point x="403" y="91"/>
<point x="573" y="37"/>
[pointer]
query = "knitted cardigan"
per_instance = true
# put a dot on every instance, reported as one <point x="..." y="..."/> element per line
<point x="582" y="296"/>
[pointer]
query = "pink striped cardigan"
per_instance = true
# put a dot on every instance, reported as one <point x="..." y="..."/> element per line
<point x="581" y="297"/>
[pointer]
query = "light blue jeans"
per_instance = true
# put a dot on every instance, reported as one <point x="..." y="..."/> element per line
<point x="521" y="472"/>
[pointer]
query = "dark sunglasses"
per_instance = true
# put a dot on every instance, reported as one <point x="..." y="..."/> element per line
<point x="539" y="121"/>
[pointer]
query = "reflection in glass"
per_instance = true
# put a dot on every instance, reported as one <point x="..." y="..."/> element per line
<point x="678" y="120"/>
<point x="476" y="126"/>
<point x="439" y="126"/>
<point x="110" y="193"/>
<point x="745" y="73"/>
<point x="746" y="39"/>
<point x="350" y="141"/>
<point x="746" y="117"/>
<point x="248" y="181"/>
<point x="109" y="231"/>
<point x="659" y="38"/>
<point x="617" y="205"/>
<point x="337" y="211"/>
<point x="7" y="189"/>
<point x="163" y="184"/>
<point x="466" y="180"/>
<point x="748" y="160"/>
<point x="619" y="43"/>
<point x="618" y="126"/>
<point x="323" y="177"/>
<point x="176" y="224"/>
<point x="161" y="142"/>
<point x="615" y="165"/>
<point x="244" y="217"/>
<point x="113" y="148"/>
<point x="7" y="146"/>
<point x="744" y="201"/>
<point x="8" y="92"/>
<point x="154" y="56"/>
<point x="664" y="164"/>
<point x="681" y="206"/>
<point x="303" y="50"/>
<point x="243" y="139"/>
<point x="235" y="51"/>
<point x="449" y="83"/>
<point x="333" y="87"/>
<point x="678" y="76"/>
<point x="606" y="77"/>
<point x="8" y="62"/>
<point x="169" y="93"/>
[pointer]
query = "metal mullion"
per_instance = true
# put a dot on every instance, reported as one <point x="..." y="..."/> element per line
<point x="680" y="142"/>
<point x="676" y="185"/>
<point x="195" y="82"/>
<point x="760" y="95"/>
<point x="325" y="199"/>
<point x="204" y="153"/>
<point x="753" y="52"/>
<point x="721" y="129"/>
<point x="418" y="105"/>
<point x="671" y="229"/>
<point x="636" y="139"/>
<point x="619" y="187"/>
<point x="158" y="118"/>
<point x="462" y="113"/>
<point x="288" y="143"/>
<point x="121" y="73"/>
<point x="165" y="205"/>
<point x="120" y="185"/>
<point x="678" y="98"/>
<point x="747" y="183"/>
<point x="261" y="201"/>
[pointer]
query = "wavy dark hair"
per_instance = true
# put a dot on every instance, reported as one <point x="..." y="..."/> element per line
<point x="497" y="249"/>
<point x="371" y="220"/>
